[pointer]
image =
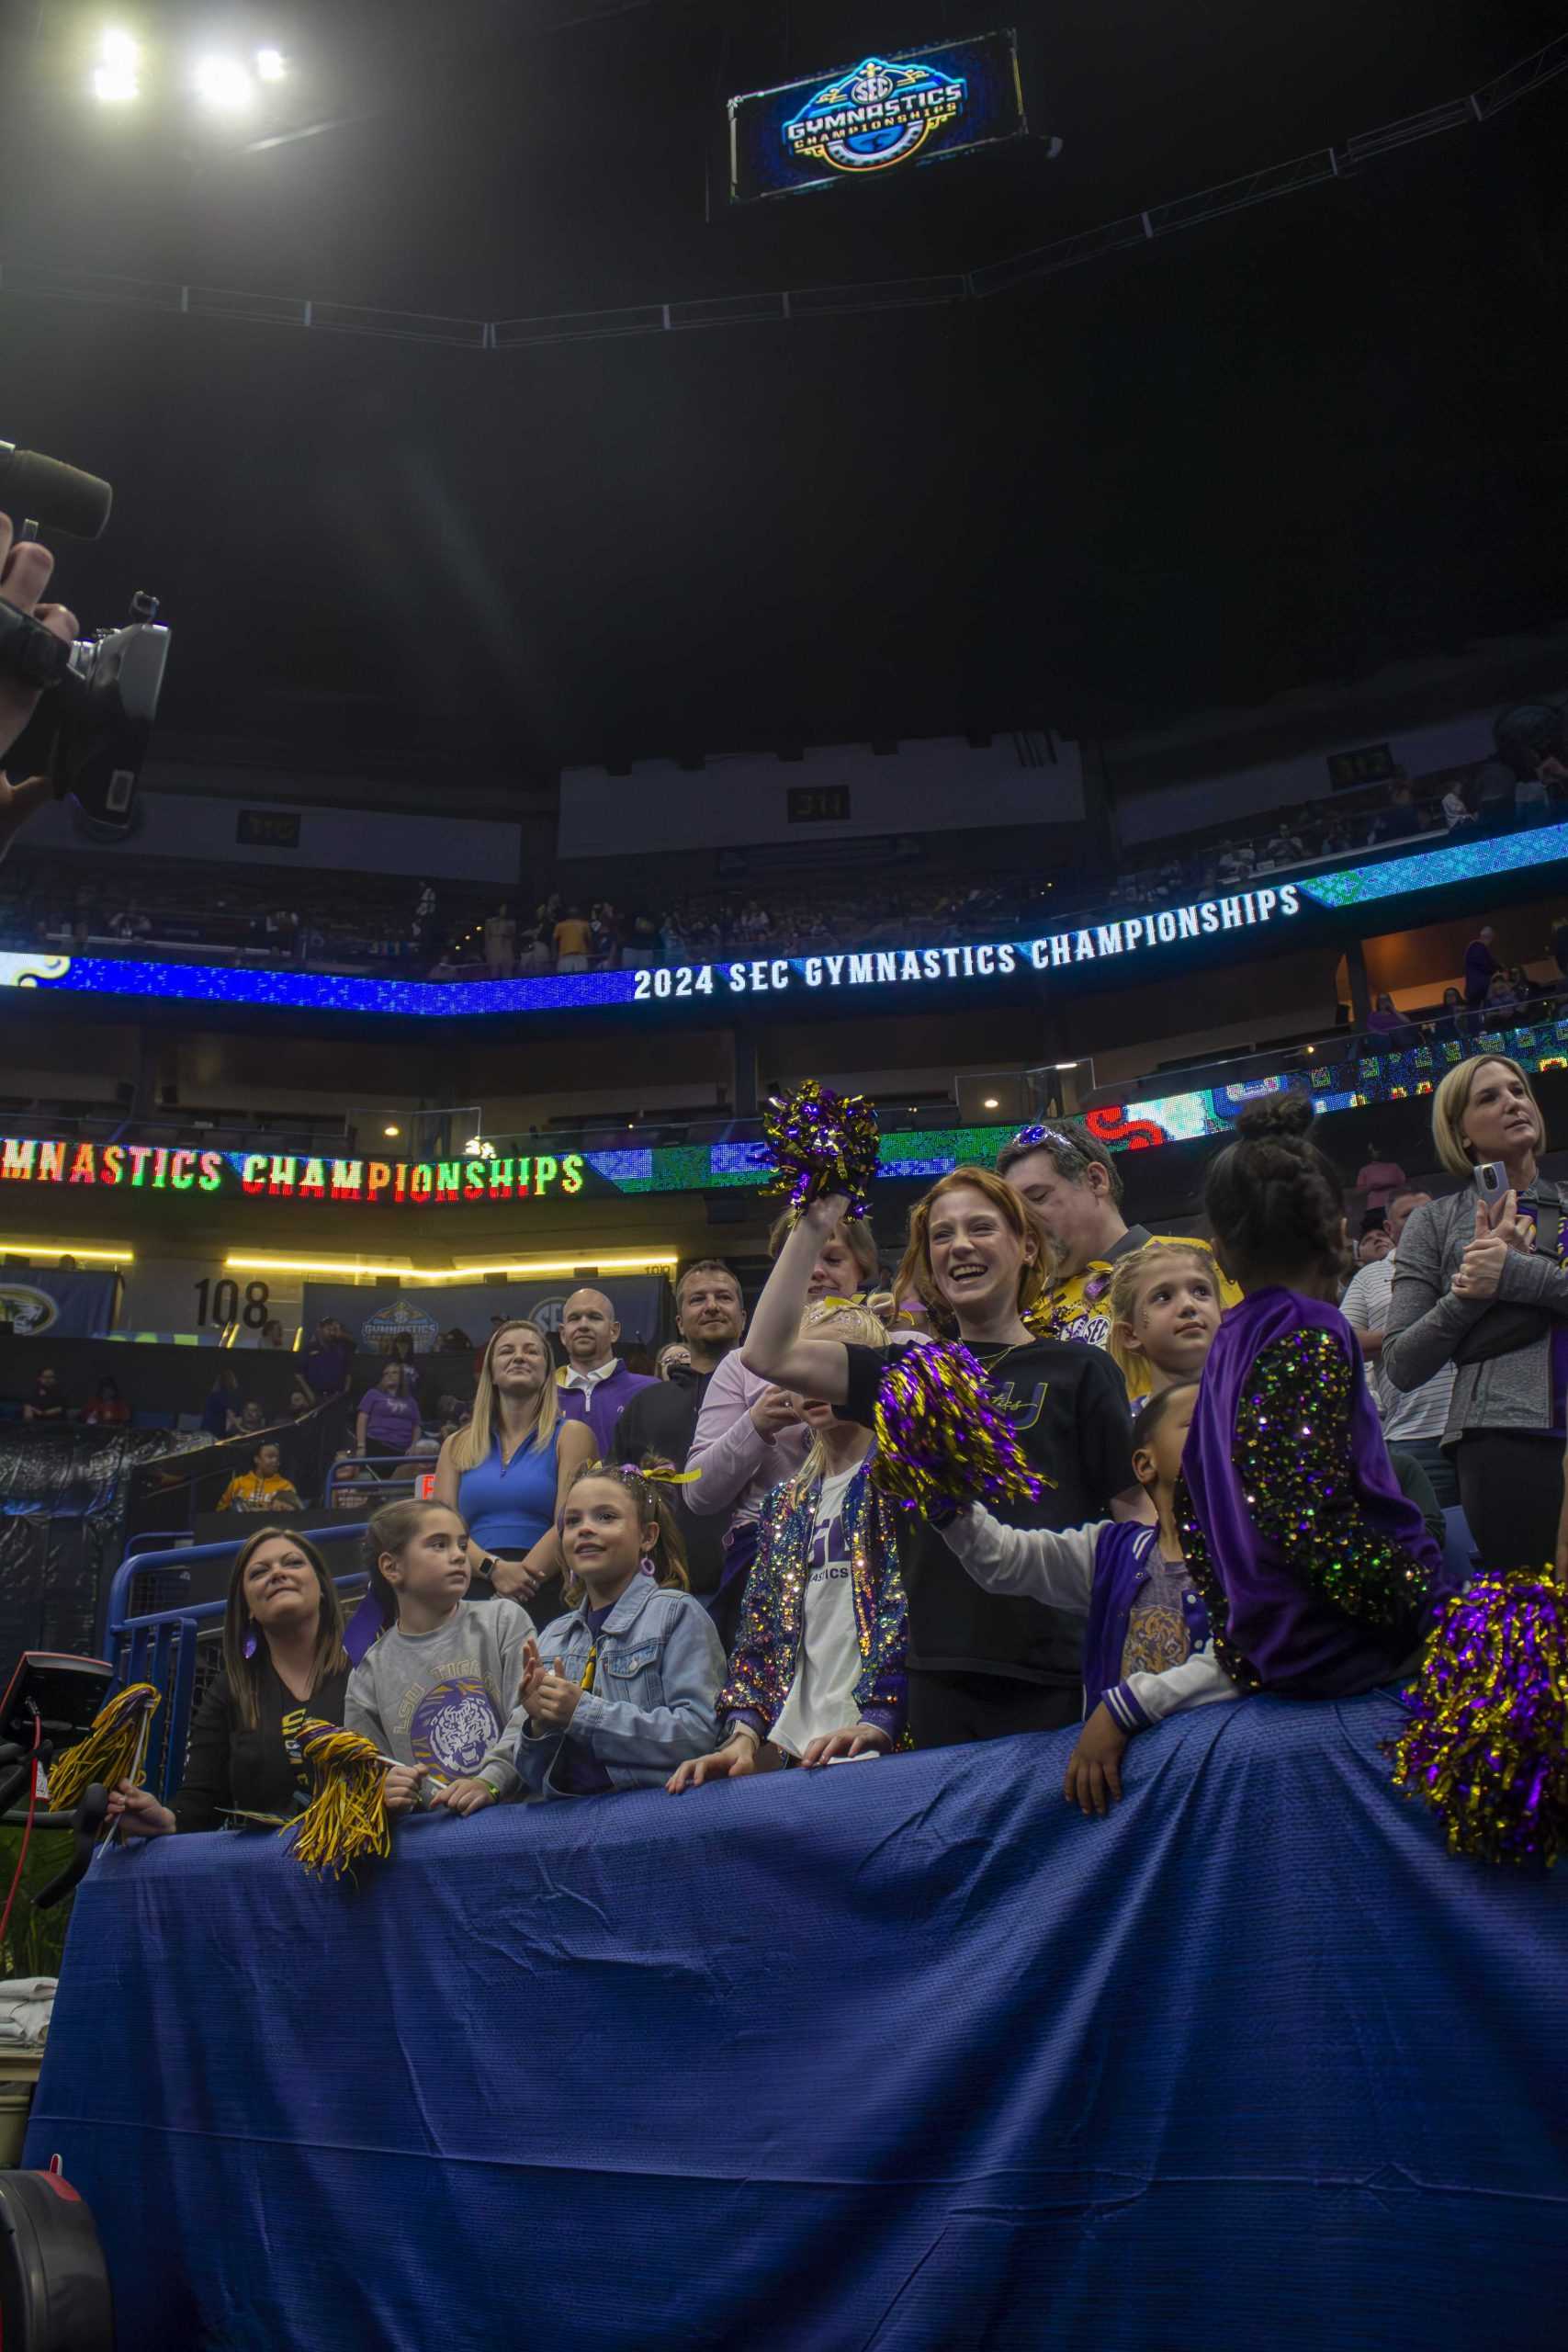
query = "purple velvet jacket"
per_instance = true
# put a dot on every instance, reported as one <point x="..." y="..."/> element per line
<point x="1319" y="1580"/>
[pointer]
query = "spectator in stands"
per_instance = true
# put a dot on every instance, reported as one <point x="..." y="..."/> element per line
<point x="301" y="1399"/>
<point x="750" y="1434"/>
<point x="1450" y="1020"/>
<point x="1385" y="1019"/>
<point x="1312" y="1601"/>
<point x="107" y="1408"/>
<point x="1415" y="1422"/>
<point x="283" y="1662"/>
<point x="456" y="1341"/>
<point x="400" y="1348"/>
<point x="500" y="944"/>
<point x="1459" y="1259"/>
<point x="1479" y="966"/>
<point x="1524" y="987"/>
<point x="820" y="1667"/>
<point x="605" y="937"/>
<point x="1502" y="998"/>
<point x="595" y="1385"/>
<point x="330" y="1359"/>
<point x="978" y="1668"/>
<point x="673" y="1354"/>
<point x="261" y="1488"/>
<point x="1458" y="815"/>
<point x="573" y="942"/>
<point x="1560" y="944"/>
<point x="660" y="1422"/>
<point x="1372" y="1245"/>
<point x="1380" y="1180"/>
<point x="1072" y="1184"/>
<point x="48" y="1401"/>
<point x="252" y="1416"/>
<point x="506" y="1472"/>
<point x="220" y="1414"/>
<point x="388" y="1418"/>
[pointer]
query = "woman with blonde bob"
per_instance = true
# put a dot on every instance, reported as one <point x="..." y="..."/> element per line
<point x="507" y="1474"/>
<point x="283" y="1663"/>
<point x="980" y="1665"/>
<point x="1478" y="1283"/>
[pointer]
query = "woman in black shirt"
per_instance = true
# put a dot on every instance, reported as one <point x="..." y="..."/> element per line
<point x="980" y="1665"/>
<point x="284" y="1663"/>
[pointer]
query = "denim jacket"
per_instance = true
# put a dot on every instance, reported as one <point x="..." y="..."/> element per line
<point x="655" y="1680"/>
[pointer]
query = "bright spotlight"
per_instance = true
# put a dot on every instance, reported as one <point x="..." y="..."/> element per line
<point x="392" y="1129"/>
<point x="223" y="83"/>
<point x="113" y="87"/>
<point x="271" y="65"/>
<point x="119" y="50"/>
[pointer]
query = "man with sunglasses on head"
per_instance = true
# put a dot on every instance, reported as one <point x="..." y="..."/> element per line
<point x="1071" y="1181"/>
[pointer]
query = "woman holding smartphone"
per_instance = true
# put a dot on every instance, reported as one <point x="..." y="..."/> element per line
<point x="1479" y="1284"/>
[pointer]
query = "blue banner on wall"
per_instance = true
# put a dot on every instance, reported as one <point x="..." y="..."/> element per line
<point x="879" y="115"/>
<point x="58" y="1306"/>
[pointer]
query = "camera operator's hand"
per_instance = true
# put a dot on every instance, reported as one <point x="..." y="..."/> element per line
<point x="24" y="576"/>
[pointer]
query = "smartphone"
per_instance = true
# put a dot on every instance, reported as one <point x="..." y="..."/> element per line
<point x="1490" y="1180"/>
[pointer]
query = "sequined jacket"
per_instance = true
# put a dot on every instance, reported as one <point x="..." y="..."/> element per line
<point x="767" y="1652"/>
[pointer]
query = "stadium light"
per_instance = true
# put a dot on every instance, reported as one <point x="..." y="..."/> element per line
<point x="271" y="65"/>
<point x="115" y="80"/>
<point x="223" y="83"/>
<point x="33" y="1247"/>
<point x="391" y="1130"/>
<point x="991" y="1103"/>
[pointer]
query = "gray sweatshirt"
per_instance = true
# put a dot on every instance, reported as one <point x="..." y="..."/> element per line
<point x="441" y="1699"/>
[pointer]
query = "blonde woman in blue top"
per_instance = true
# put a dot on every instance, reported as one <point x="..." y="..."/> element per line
<point x="507" y="1473"/>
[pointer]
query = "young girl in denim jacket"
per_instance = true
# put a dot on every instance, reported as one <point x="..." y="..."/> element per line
<point x="621" y="1690"/>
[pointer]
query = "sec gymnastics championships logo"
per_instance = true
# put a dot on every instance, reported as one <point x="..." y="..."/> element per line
<point x="878" y="113"/>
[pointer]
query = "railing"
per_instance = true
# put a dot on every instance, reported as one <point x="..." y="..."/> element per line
<point x="160" y="1647"/>
<point x="366" y="1469"/>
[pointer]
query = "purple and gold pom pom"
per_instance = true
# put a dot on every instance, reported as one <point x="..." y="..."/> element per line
<point x="942" y="1436"/>
<point x="822" y="1143"/>
<point x="1487" y="1742"/>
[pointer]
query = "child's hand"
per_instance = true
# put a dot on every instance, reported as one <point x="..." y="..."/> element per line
<point x="464" y="1796"/>
<point x="731" y="1762"/>
<point x="139" y="1812"/>
<point x="400" y="1789"/>
<point x="855" y="1739"/>
<point x="531" y="1666"/>
<point x="1094" y="1767"/>
<point x="550" y="1698"/>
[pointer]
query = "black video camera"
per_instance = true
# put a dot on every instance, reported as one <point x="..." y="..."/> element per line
<point x="101" y="693"/>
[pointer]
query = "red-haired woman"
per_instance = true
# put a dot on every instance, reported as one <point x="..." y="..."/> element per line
<point x="980" y="1665"/>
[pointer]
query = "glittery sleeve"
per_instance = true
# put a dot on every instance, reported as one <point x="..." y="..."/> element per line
<point x="1293" y="1455"/>
<point x="751" y="1686"/>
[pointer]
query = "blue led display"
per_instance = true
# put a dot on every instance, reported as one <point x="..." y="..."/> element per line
<point x="729" y="986"/>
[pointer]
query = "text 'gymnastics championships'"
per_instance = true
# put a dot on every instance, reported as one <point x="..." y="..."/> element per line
<point x="877" y="967"/>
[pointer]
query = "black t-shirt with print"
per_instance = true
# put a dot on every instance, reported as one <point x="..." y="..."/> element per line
<point x="229" y="1768"/>
<point x="1068" y="1404"/>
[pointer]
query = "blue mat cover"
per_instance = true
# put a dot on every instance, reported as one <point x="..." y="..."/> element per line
<point x="905" y="2055"/>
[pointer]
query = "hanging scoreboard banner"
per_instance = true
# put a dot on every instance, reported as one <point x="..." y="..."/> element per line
<point x="876" y="116"/>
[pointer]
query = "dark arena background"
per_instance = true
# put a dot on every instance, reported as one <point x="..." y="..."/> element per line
<point x="755" y="656"/>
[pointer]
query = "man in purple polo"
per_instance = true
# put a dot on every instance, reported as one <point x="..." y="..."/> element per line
<point x="596" y="1383"/>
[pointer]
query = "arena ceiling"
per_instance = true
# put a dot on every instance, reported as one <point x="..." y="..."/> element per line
<point x="1288" y="444"/>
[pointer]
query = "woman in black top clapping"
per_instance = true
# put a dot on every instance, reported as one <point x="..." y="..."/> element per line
<point x="284" y="1665"/>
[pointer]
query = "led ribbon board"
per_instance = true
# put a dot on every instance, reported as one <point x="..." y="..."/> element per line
<point x="877" y="116"/>
<point x="909" y="1155"/>
<point x="1057" y="956"/>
